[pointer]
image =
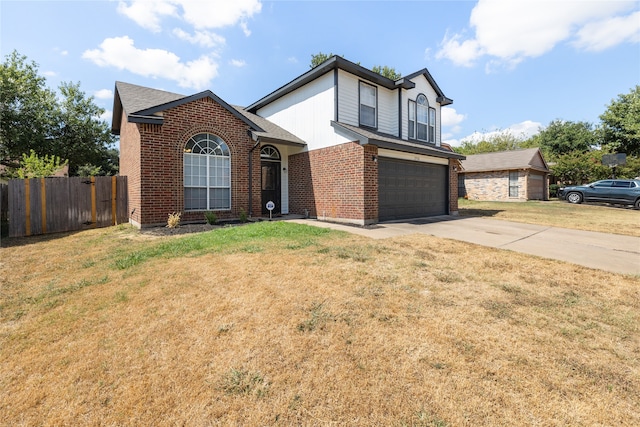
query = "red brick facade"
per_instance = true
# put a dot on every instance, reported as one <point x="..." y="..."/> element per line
<point x="338" y="183"/>
<point x="454" y="167"/>
<point x="151" y="156"/>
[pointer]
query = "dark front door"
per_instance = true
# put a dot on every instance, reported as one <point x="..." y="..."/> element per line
<point x="270" y="186"/>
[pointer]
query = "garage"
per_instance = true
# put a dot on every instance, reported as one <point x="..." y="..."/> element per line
<point x="408" y="189"/>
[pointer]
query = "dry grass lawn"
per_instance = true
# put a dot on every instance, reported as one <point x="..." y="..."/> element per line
<point x="284" y="324"/>
<point x="590" y="217"/>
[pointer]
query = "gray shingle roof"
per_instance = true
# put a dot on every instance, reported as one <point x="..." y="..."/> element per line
<point x="143" y="103"/>
<point x="381" y="140"/>
<point x="529" y="158"/>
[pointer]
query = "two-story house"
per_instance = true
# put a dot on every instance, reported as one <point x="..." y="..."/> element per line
<point x="339" y="142"/>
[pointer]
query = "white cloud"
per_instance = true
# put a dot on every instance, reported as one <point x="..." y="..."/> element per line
<point x="510" y="31"/>
<point x="120" y="53"/>
<point x="197" y="13"/>
<point x="107" y="116"/>
<point x="450" y="117"/>
<point x="238" y="63"/>
<point x="200" y="37"/>
<point x="601" y="35"/>
<point x="50" y="73"/>
<point x="292" y="60"/>
<point x="104" y="94"/>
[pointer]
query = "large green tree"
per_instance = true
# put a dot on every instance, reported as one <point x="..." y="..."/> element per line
<point x="385" y="70"/>
<point x="32" y="118"/>
<point x="27" y="110"/>
<point x="563" y="137"/>
<point x="501" y="141"/>
<point x="620" y="130"/>
<point x="80" y="136"/>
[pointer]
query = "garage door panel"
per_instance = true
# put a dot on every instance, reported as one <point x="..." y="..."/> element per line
<point x="411" y="189"/>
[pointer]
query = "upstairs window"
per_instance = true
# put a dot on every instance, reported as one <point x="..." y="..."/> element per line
<point x="412" y="119"/>
<point x="368" y="105"/>
<point x="432" y="125"/>
<point x="422" y="114"/>
<point x="207" y="173"/>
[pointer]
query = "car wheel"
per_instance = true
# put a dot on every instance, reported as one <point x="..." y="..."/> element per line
<point x="574" y="197"/>
<point x="637" y="204"/>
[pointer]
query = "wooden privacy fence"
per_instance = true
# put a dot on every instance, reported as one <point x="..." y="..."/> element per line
<point x="52" y="205"/>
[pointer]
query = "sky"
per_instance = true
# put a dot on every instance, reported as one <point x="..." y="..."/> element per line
<point x="509" y="65"/>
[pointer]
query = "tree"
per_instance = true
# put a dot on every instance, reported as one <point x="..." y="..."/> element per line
<point x="319" y="58"/>
<point x="387" y="72"/>
<point x="33" y="166"/>
<point x="620" y="130"/>
<point x="579" y="167"/>
<point x="80" y="136"/>
<point x="564" y="137"/>
<point x="27" y="109"/>
<point x="31" y="118"/>
<point x="501" y="141"/>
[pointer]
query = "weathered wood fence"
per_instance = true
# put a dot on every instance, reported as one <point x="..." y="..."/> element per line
<point x="52" y="205"/>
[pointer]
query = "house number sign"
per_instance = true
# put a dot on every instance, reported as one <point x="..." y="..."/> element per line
<point x="270" y="206"/>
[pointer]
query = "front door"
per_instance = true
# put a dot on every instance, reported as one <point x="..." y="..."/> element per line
<point x="270" y="166"/>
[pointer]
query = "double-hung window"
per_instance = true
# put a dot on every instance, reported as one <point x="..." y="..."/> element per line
<point x="422" y="113"/>
<point x="412" y="119"/>
<point x="207" y="173"/>
<point x="368" y="105"/>
<point x="513" y="183"/>
<point x="432" y="125"/>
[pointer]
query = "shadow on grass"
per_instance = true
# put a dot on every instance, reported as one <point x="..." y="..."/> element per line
<point x="467" y="212"/>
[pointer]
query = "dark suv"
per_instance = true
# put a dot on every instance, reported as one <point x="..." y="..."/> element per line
<point x="620" y="191"/>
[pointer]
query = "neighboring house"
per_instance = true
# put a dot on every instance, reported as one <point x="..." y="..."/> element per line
<point x="504" y="176"/>
<point x="340" y="143"/>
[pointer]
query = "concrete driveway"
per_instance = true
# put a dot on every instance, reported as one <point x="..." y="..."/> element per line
<point x="609" y="252"/>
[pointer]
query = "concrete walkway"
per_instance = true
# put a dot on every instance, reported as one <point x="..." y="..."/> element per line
<point x="609" y="252"/>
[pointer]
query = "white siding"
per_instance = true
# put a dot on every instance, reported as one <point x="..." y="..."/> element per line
<point x="348" y="107"/>
<point x="307" y="113"/>
<point x="422" y="86"/>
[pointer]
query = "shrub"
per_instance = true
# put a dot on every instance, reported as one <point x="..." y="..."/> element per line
<point x="211" y="217"/>
<point x="174" y="220"/>
<point x="553" y="190"/>
<point x="243" y="216"/>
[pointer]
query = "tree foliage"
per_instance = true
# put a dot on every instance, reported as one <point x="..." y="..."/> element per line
<point x="579" y="167"/>
<point x="32" y="118"/>
<point x="500" y="141"/>
<point x="34" y="166"/>
<point x="563" y="137"/>
<point x="620" y="130"/>
<point x="387" y="72"/>
<point x="27" y="109"/>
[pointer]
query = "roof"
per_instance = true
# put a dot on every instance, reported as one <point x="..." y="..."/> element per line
<point x="337" y="62"/>
<point x="365" y="137"/>
<point x="145" y="105"/>
<point x="530" y="158"/>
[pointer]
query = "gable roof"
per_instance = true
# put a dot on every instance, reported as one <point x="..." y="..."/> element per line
<point x="530" y="158"/>
<point x="365" y="137"/>
<point x="338" y="62"/>
<point x="145" y="105"/>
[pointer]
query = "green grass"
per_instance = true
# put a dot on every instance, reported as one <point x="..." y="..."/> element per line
<point x="248" y="238"/>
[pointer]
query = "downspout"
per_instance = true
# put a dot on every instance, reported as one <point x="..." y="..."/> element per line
<point x="251" y="172"/>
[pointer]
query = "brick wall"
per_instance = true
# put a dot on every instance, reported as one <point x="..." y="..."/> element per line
<point x="454" y="167"/>
<point x="130" y="166"/>
<point x="160" y="183"/>
<point x="493" y="186"/>
<point x="338" y="183"/>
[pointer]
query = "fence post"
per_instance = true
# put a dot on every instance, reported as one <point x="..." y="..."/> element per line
<point x="114" y="220"/>
<point x="94" y="216"/>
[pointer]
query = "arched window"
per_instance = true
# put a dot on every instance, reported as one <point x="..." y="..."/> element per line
<point x="207" y="173"/>
<point x="269" y="153"/>
<point x="422" y="107"/>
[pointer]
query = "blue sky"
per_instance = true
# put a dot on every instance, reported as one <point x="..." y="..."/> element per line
<point x="509" y="65"/>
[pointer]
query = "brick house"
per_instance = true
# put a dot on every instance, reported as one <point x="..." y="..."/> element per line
<point x="515" y="175"/>
<point x="339" y="142"/>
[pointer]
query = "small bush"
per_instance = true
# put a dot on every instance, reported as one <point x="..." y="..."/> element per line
<point x="211" y="218"/>
<point x="553" y="190"/>
<point x="174" y="220"/>
<point x="243" y="216"/>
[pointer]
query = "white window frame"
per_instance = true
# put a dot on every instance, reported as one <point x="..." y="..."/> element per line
<point x="211" y="155"/>
<point x="422" y="111"/>
<point x="412" y="119"/>
<point x="432" y="125"/>
<point x="513" y="183"/>
<point x="368" y="103"/>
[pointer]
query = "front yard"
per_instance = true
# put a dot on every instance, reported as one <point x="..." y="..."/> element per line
<point x="277" y="323"/>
